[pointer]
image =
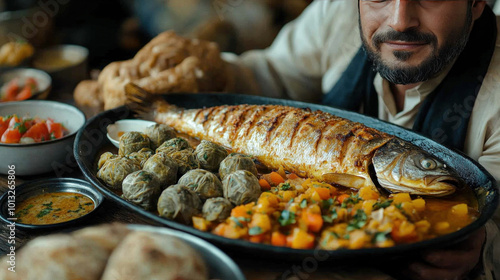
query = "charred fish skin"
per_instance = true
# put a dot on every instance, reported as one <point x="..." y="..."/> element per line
<point x="403" y="167"/>
<point x="310" y="144"/>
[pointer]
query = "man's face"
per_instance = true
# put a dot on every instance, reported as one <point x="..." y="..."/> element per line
<point x="411" y="41"/>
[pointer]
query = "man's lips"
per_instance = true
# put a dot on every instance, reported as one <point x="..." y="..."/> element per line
<point x="403" y="45"/>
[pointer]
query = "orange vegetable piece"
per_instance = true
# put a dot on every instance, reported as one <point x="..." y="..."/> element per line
<point x="3" y="126"/>
<point x="38" y="132"/>
<point x="55" y="128"/>
<point x="300" y="239"/>
<point x="314" y="221"/>
<point x="276" y="178"/>
<point x="11" y="91"/>
<point x="241" y="211"/>
<point x="292" y="176"/>
<point x="219" y="230"/>
<point x="323" y="193"/>
<point x="342" y="197"/>
<point x="278" y="239"/>
<point x="11" y="136"/>
<point x="24" y="94"/>
<point x="264" y="184"/>
<point x="257" y="238"/>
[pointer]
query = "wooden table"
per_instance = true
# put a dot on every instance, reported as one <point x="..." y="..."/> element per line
<point x="254" y="268"/>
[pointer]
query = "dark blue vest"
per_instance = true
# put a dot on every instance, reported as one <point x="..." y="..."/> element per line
<point x="445" y="113"/>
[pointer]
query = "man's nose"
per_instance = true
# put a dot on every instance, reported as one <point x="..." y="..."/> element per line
<point x="403" y="15"/>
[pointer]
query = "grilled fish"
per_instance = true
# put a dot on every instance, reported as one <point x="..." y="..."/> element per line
<point x="312" y="144"/>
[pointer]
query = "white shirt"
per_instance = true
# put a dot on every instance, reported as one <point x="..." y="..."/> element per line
<point x="311" y="53"/>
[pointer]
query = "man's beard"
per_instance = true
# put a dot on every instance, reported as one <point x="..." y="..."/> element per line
<point x="430" y="67"/>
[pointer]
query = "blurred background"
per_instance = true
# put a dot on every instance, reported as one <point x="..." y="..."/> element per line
<point x="116" y="29"/>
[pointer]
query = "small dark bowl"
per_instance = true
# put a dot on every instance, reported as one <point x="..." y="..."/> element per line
<point x="55" y="185"/>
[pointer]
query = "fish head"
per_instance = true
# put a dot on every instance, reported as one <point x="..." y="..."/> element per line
<point x="403" y="167"/>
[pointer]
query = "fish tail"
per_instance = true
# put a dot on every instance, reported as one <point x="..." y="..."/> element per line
<point x="142" y="102"/>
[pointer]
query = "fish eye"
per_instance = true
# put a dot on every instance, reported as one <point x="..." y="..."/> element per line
<point x="427" y="163"/>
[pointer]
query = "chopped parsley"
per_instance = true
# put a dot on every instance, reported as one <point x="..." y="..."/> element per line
<point x="380" y="236"/>
<point x="255" y="231"/>
<point x="358" y="221"/>
<point x="286" y="218"/>
<point x="24" y="211"/>
<point x="352" y="199"/>
<point x="303" y="203"/>
<point x="383" y="204"/>
<point x="329" y="218"/>
<point x="285" y="186"/>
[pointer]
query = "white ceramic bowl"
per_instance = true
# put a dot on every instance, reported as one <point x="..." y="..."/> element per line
<point x="38" y="158"/>
<point x="126" y="126"/>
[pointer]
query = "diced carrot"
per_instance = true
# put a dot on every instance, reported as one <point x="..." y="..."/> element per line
<point x="11" y="136"/>
<point x="323" y="193"/>
<point x="292" y="176"/>
<point x="341" y="197"/>
<point x="276" y="178"/>
<point x="38" y="132"/>
<point x="264" y="184"/>
<point x="314" y="221"/>
<point x="219" y="230"/>
<point x="278" y="239"/>
<point x="367" y="193"/>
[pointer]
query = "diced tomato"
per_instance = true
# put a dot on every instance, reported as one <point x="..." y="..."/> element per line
<point x="11" y="136"/>
<point x="38" y="132"/>
<point x="278" y="239"/>
<point x="11" y="91"/>
<point x="3" y="126"/>
<point x="264" y="184"/>
<point x="56" y="130"/>
<point x="24" y="94"/>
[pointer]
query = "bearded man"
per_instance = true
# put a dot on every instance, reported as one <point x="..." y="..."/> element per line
<point x="429" y="65"/>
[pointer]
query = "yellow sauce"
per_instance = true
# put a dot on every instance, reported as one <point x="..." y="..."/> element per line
<point x="51" y="62"/>
<point x="53" y="208"/>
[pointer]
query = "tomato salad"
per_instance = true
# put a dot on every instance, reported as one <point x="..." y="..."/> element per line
<point x="28" y="130"/>
<point x="17" y="91"/>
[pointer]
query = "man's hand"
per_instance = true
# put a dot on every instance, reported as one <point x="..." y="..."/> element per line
<point x="454" y="262"/>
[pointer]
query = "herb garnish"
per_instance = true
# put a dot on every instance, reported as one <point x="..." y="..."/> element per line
<point x="254" y="231"/>
<point x="358" y="221"/>
<point x="286" y="218"/>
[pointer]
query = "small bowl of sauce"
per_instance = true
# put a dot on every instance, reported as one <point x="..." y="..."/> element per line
<point x="49" y="203"/>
